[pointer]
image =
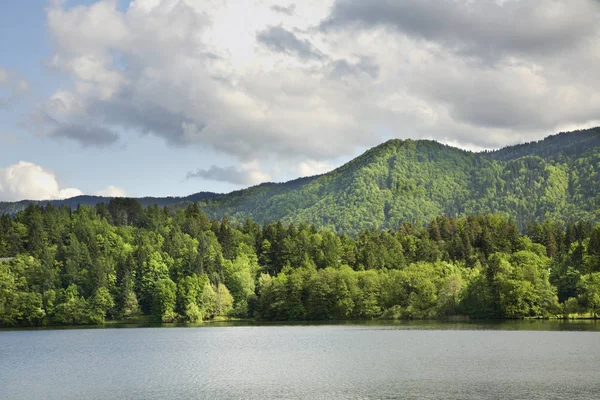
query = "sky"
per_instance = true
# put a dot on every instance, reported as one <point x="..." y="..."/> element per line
<point x="173" y="97"/>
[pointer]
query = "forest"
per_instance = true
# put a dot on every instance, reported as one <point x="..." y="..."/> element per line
<point x="121" y="261"/>
<point x="555" y="179"/>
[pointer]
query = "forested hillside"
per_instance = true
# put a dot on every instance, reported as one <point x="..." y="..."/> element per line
<point x="121" y="261"/>
<point x="415" y="181"/>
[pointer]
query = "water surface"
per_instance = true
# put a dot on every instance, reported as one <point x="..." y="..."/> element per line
<point x="345" y="361"/>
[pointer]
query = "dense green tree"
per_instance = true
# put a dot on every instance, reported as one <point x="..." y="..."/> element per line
<point x="72" y="308"/>
<point x="196" y="298"/>
<point x="223" y="301"/>
<point x="590" y="293"/>
<point x="164" y="297"/>
<point x="101" y="303"/>
<point x="239" y="278"/>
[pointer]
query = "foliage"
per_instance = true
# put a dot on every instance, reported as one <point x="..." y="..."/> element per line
<point x="590" y="292"/>
<point x="92" y="264"/>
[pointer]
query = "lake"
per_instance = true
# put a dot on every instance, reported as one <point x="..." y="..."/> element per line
<point x="420" y="360"/>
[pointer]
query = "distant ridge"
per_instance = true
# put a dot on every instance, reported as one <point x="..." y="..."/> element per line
<point x="86" y="200"/>
<point x="566" y="143"/>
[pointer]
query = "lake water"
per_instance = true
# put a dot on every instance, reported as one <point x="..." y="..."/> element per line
<point x="549" y="360"/>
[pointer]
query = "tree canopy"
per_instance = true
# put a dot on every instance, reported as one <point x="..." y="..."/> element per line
<point x="121" y="260"/>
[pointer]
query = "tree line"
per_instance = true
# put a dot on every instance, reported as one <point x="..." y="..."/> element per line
<point x="120" y="260"/>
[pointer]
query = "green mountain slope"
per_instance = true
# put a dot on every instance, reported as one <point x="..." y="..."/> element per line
<point x="415" y="181"/>
<point x="405" y="180"/>
<point x="394" y="182"/>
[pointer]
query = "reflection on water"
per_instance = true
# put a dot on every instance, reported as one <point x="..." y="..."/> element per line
<point x="583" y="325"/>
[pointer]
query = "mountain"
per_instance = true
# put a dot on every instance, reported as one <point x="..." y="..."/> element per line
<point x="405" y="180"/>
<point x="12" y="208"/>
<point x="416" y="180"/>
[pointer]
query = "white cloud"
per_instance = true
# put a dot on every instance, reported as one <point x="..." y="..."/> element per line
<point x="247" y="174"/>
<point x="111" y="191"/>
<point x="28" y="181"/>
<point x="196" y="74"/>
<point x="312" y="167"/>
<point x="281" y="84"/>
<point x="68" y="193"/>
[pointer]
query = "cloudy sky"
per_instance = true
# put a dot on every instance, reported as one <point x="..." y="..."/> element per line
<point x="172" y="97"/>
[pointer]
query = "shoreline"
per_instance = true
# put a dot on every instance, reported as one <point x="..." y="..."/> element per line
<point x="477" y="324"/>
